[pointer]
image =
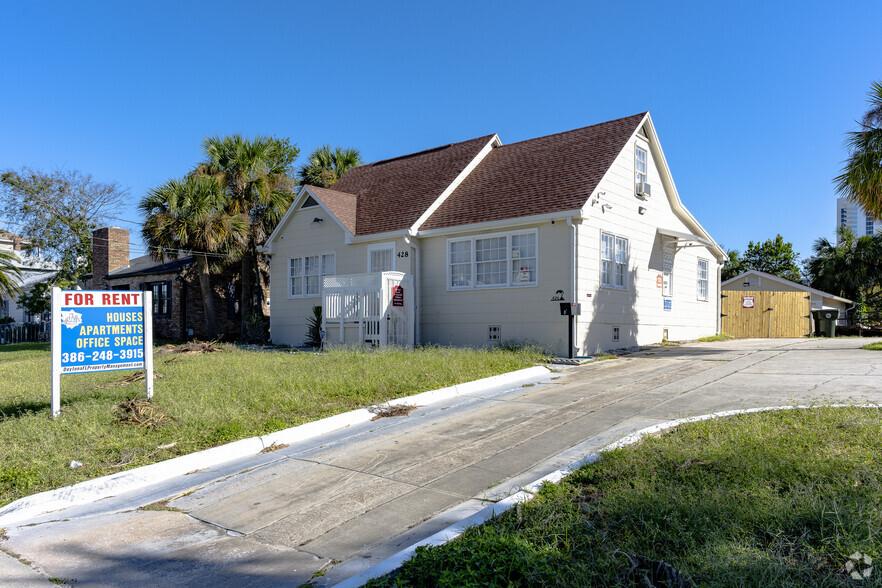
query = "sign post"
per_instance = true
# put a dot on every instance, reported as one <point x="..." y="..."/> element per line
<point x="98" y="331"/>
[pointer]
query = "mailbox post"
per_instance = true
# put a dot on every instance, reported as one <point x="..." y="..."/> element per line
<point x="571" y="310"/>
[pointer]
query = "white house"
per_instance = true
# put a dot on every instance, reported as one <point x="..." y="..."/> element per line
<point x="34" y="270"/>
<point x="480" y="241"/>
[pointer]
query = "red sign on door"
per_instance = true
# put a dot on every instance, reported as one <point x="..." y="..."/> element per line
<point x="397" y="296"/>
<point x="747" y="302"/>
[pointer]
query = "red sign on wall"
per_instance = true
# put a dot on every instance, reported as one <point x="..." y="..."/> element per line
<point x="658" y="281"/>
<point x="397" y="296"/>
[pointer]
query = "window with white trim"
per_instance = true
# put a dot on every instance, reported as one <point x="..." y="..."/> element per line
<point x="613" y="261"/>
<point x="639" y="164"/>
<point x="305" y="274"/>
<point x="497" y="260"/>
<point x="381" y="258"/>
<point x="703" y="281"/>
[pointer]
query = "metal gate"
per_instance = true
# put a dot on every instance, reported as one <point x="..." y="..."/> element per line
<point x="373" y="309"/>
<point x="752" y="313"/>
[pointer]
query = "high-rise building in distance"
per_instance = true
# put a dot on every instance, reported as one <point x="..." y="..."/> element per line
<point x="851" y="215"/>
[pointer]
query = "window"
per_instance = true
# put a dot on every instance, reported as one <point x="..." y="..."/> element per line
<point x="306" y="273"/>
<point x="869" y="225"/>
<point x="640" y="164"/>
<point x="381" y="258"/>
<point x="613" y="261"/>
<point x="161" y="297"/>
<point x="309" y="202"/>
<point x="497" y="260"/>
<point x="702" y="279"/>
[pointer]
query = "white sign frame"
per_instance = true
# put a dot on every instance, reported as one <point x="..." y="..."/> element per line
<point x="147" y="318"/>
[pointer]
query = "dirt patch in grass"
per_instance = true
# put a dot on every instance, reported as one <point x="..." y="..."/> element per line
<point x="384" y="410"/>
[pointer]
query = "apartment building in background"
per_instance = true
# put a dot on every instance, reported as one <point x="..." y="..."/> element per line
<point x="849" y="214"/>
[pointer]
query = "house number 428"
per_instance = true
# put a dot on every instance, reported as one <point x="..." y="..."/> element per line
<point x="402" y="254"/>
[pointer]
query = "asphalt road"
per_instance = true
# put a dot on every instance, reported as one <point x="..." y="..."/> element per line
<point x="338" y="504"/>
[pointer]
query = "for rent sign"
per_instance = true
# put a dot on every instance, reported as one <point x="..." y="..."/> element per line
<point x="97" y="331"/>
<point x="101" y="331"/>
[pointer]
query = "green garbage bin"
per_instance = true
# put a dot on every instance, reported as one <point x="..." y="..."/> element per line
<point x="825" y="321"/>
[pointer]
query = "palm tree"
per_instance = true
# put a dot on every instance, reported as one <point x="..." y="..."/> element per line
<point x="190" y="216"/>
<point x="325" y="166"/>
<point x="255" y="174"/>
<point x="861" y="177"/>
<point x="850" y="269"/>
<point x="9" y="274"/>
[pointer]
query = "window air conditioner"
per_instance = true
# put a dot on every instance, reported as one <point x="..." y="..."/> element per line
<point x="643" y="190"/>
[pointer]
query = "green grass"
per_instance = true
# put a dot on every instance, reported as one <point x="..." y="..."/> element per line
<point x="873" y="346"/>
<point x="210" y="399"/>
<point x="772" y="499"/>
<point x="717" y="337"/>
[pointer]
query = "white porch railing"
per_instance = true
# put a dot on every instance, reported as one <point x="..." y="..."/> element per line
<point x="374" y="309"/>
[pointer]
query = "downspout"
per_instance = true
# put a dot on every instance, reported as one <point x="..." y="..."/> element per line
<point x="414" y="266"/>
<point x="719" y="298"/>
<point x="574" y="352"/>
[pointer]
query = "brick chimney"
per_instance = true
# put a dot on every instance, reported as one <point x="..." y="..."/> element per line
<point x="110" y="252"/>
<point x="16" y="243"/>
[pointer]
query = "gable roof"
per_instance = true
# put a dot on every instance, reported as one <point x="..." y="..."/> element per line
<point x="781" y="280"/>
<point x="554" y="173"/>
<point x="341" y="204"/>
<point x="393" y="193"/>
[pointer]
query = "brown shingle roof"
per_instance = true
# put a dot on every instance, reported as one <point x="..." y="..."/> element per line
<point x="394" y="193"/>
<point x="341" y="204"/>
<point x="547" y="174"/>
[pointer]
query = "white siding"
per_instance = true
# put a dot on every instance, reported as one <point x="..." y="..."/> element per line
<point x="302" y="236"/>
<point x="639" y="312"/>
<point x="463" y="317"/>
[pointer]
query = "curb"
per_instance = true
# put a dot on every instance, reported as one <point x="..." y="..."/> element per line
<point x="528" y="491"/>
<point x="88" y="491"/>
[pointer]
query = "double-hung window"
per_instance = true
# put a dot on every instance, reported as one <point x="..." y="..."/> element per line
<point x="496" y="260"/>
<point x="640" y="165"/>
<point x="702" y="279"/>
<point x="306" y="274"/>
<point x="613" y="261"/>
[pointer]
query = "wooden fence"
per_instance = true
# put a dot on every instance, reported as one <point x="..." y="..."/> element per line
<point x="752" y="313"/>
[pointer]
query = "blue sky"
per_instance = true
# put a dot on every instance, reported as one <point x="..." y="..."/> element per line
<point x="751" y="99"/>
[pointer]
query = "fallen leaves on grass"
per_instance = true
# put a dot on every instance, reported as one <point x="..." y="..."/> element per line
<point x="386" y="410"/>
<point x="140" y="412"/>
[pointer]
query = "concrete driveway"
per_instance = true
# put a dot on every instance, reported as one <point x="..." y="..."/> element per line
<point x="326" y="509"/>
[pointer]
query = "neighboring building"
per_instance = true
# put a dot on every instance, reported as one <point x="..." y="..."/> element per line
<point x="480" y="241"/>
<point x="177" y="299"/>
<point x="782" y="307"/>
<point x="860" y="222"/>
<point x="34" y="270"/>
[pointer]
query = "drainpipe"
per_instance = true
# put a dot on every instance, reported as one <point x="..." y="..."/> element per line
<point x="414" y="266"/>
<point x="574" y="241"/>
<point x="719" y="298"/>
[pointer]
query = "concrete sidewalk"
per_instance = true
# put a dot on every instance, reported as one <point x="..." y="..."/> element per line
<point x="340" y="503"/>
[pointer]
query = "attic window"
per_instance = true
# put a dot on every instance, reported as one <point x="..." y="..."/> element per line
<point x="310" y="202"/>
